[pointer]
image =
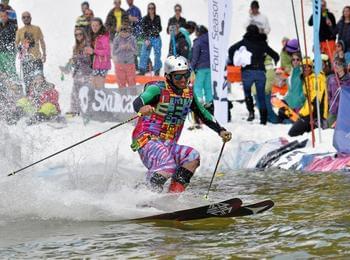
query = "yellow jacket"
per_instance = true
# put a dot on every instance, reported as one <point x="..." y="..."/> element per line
<point x="322" y="95"/>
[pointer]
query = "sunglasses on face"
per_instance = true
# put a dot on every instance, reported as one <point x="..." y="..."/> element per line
<point x="180" y="76"/>
<point x="150" y="8"/>
<point x="177" y="10"/>
<point x="26" y="17"/>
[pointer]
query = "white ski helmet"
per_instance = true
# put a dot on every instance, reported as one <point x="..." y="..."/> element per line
<point x="175" y="63"/>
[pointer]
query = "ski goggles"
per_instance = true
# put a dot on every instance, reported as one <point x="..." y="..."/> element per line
<point x="187" y="75"/>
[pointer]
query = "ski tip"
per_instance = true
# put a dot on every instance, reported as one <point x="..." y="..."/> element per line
<point x="260" y="207"/>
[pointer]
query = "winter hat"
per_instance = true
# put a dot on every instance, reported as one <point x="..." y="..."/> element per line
<point x="307" y="61"/>
<point x="292" y="46"/>
<point x="254" y="4"/>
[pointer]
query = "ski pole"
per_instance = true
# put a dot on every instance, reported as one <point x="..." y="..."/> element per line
<point x="216" y="167"/>
<point x="76" y="144"/>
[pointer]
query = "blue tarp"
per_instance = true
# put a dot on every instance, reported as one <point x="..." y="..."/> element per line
<point x="341" y="138"/>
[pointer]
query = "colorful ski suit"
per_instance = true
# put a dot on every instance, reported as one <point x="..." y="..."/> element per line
<point x="155" y="137"/>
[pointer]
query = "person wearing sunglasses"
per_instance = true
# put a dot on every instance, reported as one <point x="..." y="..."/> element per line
<point x="32" y="55"/>
<point x="151" y="28"/>
<point x="303" y="124"/>
<point x="124" y="51"/>
<point x="177" y="19"/>
<point x="335" y="83"/>
<point x="295" y="97"/>
<point x="164" y="107"/>
<point x="81" y="62"/>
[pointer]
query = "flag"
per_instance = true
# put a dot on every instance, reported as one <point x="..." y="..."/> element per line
<point x="341" y="138"/>
<point x="316" y="21"/>
<point x="220" y="12"/>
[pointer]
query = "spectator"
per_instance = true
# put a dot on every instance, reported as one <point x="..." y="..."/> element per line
<point x="10" y="92"/>
<point x="334" y="88"/>
<point x="295" y="97"/>
<point x="115" y="18"/>
<point x="135" y="19"/>
<point x="12" y="16"/>
<point x="270" y="79"/>
<point x="342" y="52"/>
<point x="327" y="28"/>
<point x="81" y="20"/>
<point x="176" y="19"/>
<point x="29" y="40"/>
<point x="180" y="44"/>
<point x="151" y="28"/>
<point x="7" y="45"/>
<point x="84" y="21"/>
<point x="42" y="101"/>
<point x="255" y="44"/>
<point x="124" y="50"/>
<point x="187" y="31"/>
<point x="326" y="65"/>
<point x="343" y="28"/>
<point x="303" y="124"/>
<point x="101" y="52"/>
<point x="82" y="68"/>
<point x="200" y="64"/>
<point x="289" y="47"/>
<point x="258" y="19"/>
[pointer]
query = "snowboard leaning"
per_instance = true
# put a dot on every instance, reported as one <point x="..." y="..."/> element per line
<point x="224" y="209"/>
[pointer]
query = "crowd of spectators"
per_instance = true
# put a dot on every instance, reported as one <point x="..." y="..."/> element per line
<point x="125" y="39"/>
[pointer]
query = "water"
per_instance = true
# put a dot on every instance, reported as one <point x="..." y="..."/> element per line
<point x="310" y="219"/>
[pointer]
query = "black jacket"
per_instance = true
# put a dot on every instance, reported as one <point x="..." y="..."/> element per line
<point x="181" y="22"/>
<point x="257" y="45"/>
<point x="151" y="28"/>
<point x="182" y="47"/>
<point x="343" y="31"/>
<point x="7" y="37"/>
<point x="326" y="31"/>
<point x="111" y="21"/>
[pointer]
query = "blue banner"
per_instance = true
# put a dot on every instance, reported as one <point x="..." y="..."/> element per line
<point x="341" y="138"/>
<point x="317" y="12"/>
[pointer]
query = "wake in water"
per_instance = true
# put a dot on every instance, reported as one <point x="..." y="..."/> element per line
<point x="74" y="186"/>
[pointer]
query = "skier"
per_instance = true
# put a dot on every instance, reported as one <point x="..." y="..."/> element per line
<point x="164" y="107"/>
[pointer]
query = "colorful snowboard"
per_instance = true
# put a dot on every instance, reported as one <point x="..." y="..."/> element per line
<point x="279" y="107"/>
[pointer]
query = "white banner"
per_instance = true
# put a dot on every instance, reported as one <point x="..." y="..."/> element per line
<point x="219" y="29"/>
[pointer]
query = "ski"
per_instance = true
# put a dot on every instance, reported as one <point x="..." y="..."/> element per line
<point x="224" y="209"/>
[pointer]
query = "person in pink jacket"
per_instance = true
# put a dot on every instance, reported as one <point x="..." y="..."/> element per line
<point x="101" y="51"/>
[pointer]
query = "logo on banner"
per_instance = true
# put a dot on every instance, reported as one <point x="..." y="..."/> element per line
<point x="112" y="102"/>
<point x="218" y="44"/>
<point x="108" y="104"/>
<point x="84" y="98"/>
